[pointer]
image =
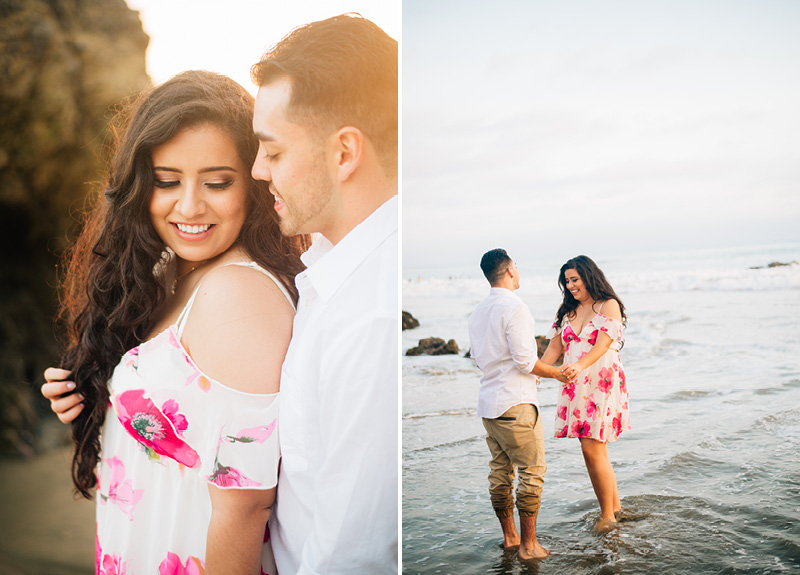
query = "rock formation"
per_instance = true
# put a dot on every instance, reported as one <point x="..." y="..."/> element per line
<point x="434" y="346"/>
<point x="64" y="65"/>
<point x="409" y="321"/>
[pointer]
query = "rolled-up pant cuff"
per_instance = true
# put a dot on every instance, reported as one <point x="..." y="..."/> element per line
<point x="503" y="513"/>
<point x="528" y="512"/>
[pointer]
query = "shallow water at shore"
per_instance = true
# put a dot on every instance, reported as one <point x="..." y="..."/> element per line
<point x="709" y="474"/>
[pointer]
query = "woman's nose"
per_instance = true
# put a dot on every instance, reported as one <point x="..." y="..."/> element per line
<point x="190" y="202"/>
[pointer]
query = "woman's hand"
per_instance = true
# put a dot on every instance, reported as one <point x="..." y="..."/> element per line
<point x="572" y="370"/>
<point x="64" y="402"/>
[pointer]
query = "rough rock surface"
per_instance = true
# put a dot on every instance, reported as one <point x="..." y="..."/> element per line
<point x="409" y="321"/>
<point x="65" y="64"/>
<point x="434" y="346"/>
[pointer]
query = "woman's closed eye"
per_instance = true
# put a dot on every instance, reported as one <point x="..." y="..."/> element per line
<point x="220" y="185"/>
<point x="166" y="183"/>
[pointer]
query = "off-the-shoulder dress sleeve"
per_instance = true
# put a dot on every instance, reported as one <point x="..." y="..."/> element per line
<point x="609" y="325"/>
<point x="241" y="447"/>
<point x="553" y="331"/>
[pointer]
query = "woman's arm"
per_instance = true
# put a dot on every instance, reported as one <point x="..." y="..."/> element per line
<point x="601" y="347"/>
<point x="553" y="351"/>
<point x="236" y="531"/>
<point x="237" y="333"/>
<point x="610" y="309"/>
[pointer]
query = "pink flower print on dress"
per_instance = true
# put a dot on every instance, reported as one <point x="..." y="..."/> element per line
<point x="592" y="407"/>
<point x="561" y="413"/>
<point x="581" y="429"/>
<point x="172" y="566"/>
<point x="173" y="341"/>
<point x="230" y="477"/>
<point x="196" y="376"/>
<point x="146" y="424"/>
<point x="593" y="337"/>
<point x="170" y="409"/>
<point x="606" y="376"/>
<point x="253" y="434"/>
<point x="602" y="430"/>
<point x="120" y="491"/>
<point x="576" y="413"/>
<point x="623" y="386"/>
<point x="568" y="389"/>
<point x="98" y="552"/>
<point x="112" y="565"/>
<point x="569" y="336"/>
<point x="616" y="423"/>
<point x="133" y="359"/>
<point x="562" y="432"/>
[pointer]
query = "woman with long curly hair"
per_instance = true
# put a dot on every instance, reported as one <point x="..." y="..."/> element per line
<point x="593" y="404"/>
<point x="179" y="301"/>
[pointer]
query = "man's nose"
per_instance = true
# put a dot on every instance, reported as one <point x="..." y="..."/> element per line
<point x="260" y="170"/>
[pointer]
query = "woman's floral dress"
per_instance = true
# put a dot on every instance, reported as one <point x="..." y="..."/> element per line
<point x="170" y="430"/>
<point x="595" y="405"/>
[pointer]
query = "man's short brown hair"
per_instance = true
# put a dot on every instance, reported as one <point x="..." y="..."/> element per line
<point x="343" y="72"/>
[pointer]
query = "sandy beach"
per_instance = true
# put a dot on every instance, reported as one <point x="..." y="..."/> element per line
<point x="45" y="530"/>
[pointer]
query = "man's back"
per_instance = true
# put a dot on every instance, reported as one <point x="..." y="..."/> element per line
<point x="501" y="332"/>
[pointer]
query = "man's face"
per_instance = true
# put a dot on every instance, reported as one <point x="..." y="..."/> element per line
<point x="294" y="163"/>
<point x="513" y="266"/>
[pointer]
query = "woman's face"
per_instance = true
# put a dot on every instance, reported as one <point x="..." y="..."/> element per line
<point x="199" y="200"/>
<point x="574" y="285"/>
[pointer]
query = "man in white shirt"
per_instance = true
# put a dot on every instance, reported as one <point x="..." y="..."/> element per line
<point x="326" y="119"/>
<point x="503" y="346"/>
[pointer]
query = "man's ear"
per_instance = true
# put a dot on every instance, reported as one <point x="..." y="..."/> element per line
<point x="349" y="149"/>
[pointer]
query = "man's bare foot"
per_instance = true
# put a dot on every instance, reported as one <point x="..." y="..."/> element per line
<point x="535" y="552"/>
<point x="605" y="524"/>
<point x="510" y="543"/>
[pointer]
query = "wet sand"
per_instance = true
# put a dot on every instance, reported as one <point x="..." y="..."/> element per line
<point x="44" y="530"/>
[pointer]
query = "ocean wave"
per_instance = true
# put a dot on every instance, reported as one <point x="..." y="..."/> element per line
<point x="691" y="279"/>
<point x="445" y="412"/>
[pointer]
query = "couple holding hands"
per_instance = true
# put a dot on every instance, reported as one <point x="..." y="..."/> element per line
<point x="593" y="398"/>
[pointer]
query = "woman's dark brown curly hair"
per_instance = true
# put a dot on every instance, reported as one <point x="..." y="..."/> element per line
<point x="593" y="279"/>
<point x="111" y="286"/>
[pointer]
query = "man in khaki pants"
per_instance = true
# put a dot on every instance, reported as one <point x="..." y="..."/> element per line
<point x="504" y="348"/>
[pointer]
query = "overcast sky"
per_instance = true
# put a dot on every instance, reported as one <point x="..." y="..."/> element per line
<point x="229" y="37"/>
<point x="579" y="126"/>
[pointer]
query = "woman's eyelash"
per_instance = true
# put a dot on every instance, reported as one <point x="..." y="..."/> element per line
<point x="220" y="185"/>
<point x="213" y="185"/>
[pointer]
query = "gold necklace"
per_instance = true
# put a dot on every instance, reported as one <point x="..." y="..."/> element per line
<point x="180" y="277"/>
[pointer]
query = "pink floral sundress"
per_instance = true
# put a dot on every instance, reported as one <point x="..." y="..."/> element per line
<point x="595" y="405"/>
<point x="170" y="430"/>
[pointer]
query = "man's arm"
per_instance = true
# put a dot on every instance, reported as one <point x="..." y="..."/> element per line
<point x="522" y="343"/>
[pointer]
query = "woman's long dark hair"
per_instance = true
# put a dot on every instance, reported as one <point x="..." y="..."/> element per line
<point x="111" y="288"/>
<point x="595" y="282"/>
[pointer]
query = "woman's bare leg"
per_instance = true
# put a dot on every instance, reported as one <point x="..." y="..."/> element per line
<point x="604" y="482"/>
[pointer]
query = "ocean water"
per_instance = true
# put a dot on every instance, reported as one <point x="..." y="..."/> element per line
<point x="709" y="474"/>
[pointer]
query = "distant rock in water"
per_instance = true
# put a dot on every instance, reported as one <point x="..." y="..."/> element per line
<point x="65" y="64"/>
<point x="774" y="265"/>
<point x="434" y="346"/>
<point x="409" y="321"/>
